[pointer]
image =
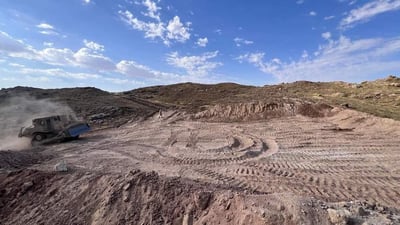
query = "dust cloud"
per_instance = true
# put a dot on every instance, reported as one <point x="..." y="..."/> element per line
<point x="17" y="112"/>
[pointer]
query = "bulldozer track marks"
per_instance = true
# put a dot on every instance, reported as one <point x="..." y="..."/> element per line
<point x="221" y="156"/>
<point x="300" y="155"/>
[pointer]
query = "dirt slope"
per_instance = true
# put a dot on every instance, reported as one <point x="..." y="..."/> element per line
<point x="35" y="197"/>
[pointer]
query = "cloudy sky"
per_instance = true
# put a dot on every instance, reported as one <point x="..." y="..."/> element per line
<point x="124" y="44"/>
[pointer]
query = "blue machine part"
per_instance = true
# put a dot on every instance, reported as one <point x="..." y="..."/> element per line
<point x="79" y="129"/>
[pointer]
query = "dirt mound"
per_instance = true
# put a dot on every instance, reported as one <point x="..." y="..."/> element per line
<point x="37" y="197"/>
<point x="34" y="197"/>
<point x="366" y="122"/>
<point x="262" y="110"/>
<point x="10" y="160"/>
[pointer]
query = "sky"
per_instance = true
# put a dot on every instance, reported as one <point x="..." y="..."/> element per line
<point x="121" y="45"/>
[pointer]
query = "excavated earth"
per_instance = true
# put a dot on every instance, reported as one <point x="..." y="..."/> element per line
<point x="292" y="162"/>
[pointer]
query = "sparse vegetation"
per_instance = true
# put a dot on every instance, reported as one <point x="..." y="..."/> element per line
<point x="380" y="97"/>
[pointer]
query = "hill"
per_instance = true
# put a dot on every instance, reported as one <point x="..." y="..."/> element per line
<point x="380" y="97"/>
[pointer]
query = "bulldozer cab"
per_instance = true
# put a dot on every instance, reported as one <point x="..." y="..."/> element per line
<point x="51" y="123"/>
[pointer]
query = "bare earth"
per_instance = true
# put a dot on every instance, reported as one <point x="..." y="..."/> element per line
<point x="300" y="155"/>
<point x="288" y="170"/>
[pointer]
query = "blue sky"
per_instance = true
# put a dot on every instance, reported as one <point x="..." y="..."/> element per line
<point x="125" y="44"/>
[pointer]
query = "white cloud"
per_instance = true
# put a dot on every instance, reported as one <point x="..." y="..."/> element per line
<point x="45" y="26"/>
<point x="47" y="29"/>
<point x="329" y="17"/>
<point x="312" y="13"/>
<point x="152" y="9"/>
<point x="352" y="2"/>
<point x="152" y="30"/>
<point x="57" y="72"/>
<point x="299" y="2"/>
<point x="12" y="46"/>
<point x="134" y="69"/>
<point x="48" y="44"/>
<point x="240" y="41"/>
<point x="177" y="31"/>
<point x="304" y="55"/>
<point x="55" y="56"/>
<point x="128" y="17"/>
<point x="342" y="59"/>
<point x="16" y="65"/>
<point x="253" y="58"/>
<point x="8" y="79"/>
<point x="326" y="35"/>
<point x="202" y="42"/>
<point x="194" y="65"/>
<point x="91" y="58"/>
<point x="93" y="45"/>
<point x="119" y="81"/>
<point x="40" y="79"/>
<point x="49" y="32"/>
<point x="85" y="57"/>
<point x="367" y="11"/>
<point x="174" y="31"/>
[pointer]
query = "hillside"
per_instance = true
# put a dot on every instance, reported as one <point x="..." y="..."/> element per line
<point x="380" y="97"/>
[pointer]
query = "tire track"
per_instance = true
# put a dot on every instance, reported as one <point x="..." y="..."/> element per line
<point x="296" y="154"/>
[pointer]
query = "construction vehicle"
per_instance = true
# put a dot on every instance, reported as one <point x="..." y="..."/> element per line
<point x="53" y="129"/>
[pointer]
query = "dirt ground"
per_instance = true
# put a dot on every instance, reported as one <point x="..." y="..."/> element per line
<point x="339" y="169"/>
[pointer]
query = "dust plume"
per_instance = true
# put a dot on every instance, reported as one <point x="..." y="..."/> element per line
<point x="17" y="112"/>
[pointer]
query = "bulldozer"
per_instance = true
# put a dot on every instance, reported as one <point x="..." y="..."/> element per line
<point x="54" y="129"/>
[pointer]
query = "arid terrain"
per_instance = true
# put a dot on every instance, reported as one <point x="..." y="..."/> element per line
<point x="298" y="153"/>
